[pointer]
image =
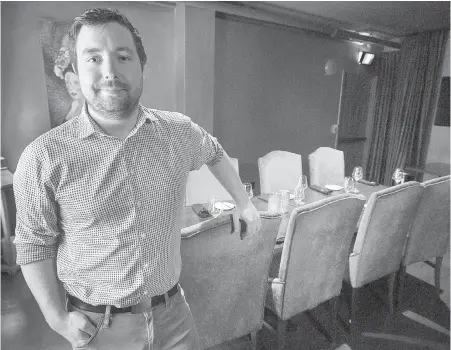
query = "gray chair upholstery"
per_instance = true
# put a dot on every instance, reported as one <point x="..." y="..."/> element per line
<point x="279" y="170"/>
<point x="202" y="185"/>
<point x="225" y="278"/>
<point x="326" y="167"/>
<point x="314" y="257"/>
<point x="381" y="237"/>
<point x="429" y="235"/>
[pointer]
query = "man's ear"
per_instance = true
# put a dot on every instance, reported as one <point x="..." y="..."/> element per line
<point x="74" y="68"/>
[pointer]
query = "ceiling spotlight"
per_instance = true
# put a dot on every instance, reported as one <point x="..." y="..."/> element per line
<point x="366" y="58"/>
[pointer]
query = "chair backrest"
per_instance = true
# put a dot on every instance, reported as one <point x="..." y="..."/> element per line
<point x="279" y="170"/>
<point x="225" y="278"/>
<point x="429" y="234"/>
<point x="202" y="185"/>
<point x="382" y="233"/>
<point x="315" y="252"/>
<point x="326" y="167"/>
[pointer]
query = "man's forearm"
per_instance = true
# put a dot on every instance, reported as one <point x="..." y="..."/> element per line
<point x="43" y="283"/>
<point x="228" y="177"/>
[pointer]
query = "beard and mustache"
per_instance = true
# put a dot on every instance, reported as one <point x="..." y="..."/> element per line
<point x="115" y="105"/>
<point x="110" y="84"/>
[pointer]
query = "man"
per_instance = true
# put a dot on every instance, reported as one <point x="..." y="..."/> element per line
<point x="102" y="196"/>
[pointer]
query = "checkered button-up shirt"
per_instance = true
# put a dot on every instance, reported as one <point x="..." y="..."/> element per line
<point x="109" y="209"/>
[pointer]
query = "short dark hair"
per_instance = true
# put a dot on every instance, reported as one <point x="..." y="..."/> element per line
<point x="98" y="16"/>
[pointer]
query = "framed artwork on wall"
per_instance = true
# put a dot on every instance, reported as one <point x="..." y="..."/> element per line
<point x="64" y="96"/>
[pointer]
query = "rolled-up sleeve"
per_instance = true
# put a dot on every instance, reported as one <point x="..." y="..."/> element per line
<point x="36" y="223"/>
<point x="205" y="148"/>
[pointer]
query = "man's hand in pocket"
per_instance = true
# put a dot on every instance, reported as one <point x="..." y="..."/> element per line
<point x="74" y="326"/>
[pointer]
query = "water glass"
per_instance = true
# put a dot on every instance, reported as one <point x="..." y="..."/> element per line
<point x="274" y="202"/>
<point x="349" y="185"/>
<point x="357" y="173"/>
<point x="398" y="176"/>
<point x="284" y="200"/>
<point x="299" y="195"/>
<point x="213" y="209"/>
<point x="248" y="189"/>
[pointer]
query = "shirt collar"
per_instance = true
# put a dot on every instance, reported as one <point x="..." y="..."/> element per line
<point x="87" y="126"/>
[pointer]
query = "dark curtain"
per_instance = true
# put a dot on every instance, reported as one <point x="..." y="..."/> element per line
<point x="403" y="118"/>
<point x="386" y="66"/>
<point x="415" y="100"/>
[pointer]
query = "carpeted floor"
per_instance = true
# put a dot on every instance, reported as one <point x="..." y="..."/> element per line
<point x="423" y="320"/>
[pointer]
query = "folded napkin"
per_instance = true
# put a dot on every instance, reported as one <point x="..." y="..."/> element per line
<point x="201" y="211"/>
<point x="369" y="183"/>
<point x="320" y="189"/>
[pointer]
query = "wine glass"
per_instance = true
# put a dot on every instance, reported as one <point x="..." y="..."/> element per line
<point x="304" y="183"/>
<point x="248" y="189"/>
<point x="299" y="195"/>
<point x="349" y="184"/>
<point x="213" y="209"/>
<point x="398" y="176"/>
<point x="357" y="173"/>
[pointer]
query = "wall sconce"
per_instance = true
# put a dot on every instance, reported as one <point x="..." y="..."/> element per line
<point x="331" y="67"/>
<point x="365" y="58"/>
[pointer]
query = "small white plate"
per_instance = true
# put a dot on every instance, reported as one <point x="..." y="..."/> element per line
<point x="224" y="205"/>
<point x="333" y="187"/>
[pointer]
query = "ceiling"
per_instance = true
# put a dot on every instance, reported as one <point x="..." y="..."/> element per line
<point x="383" y="19"/>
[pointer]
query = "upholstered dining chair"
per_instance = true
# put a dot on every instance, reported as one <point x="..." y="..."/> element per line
<point x="429" y="234"/>
<point x="279" y="170"/>
<point x="225" y="278"/>
<point x="381" y="238"/>
<point x="312" y="265"/>
<point x="202" y="185"/>
<point x="326" y="166"/>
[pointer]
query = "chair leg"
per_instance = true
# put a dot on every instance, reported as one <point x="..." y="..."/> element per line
<point x="281" y="327"/>
<point x="353" y="322"/>
<point x="334" y="319"/>
<point x="438" y="267"/>
<point x="391" y="292"/>
<point x="400" y="287"/>
<point x="254" y="341"/>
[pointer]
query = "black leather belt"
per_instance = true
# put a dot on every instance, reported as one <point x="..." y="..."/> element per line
<point x="154" y="301"/>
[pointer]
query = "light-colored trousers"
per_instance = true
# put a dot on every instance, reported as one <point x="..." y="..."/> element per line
<point x="167" y="326"/>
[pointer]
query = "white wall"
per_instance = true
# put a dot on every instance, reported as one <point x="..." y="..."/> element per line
<point x="24" y="109"/>
<point x="195" y="55"/>
<point x="271" y="91"/>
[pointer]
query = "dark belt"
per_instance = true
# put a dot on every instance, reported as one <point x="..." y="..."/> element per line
<point x="154" y="301"/>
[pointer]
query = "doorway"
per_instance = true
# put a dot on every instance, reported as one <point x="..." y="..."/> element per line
<point x="355" y="112"/>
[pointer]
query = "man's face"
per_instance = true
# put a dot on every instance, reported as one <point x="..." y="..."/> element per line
<point x="109" y="69"/>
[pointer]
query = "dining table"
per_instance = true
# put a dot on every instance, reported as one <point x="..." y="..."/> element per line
<point x="189" y="217"/>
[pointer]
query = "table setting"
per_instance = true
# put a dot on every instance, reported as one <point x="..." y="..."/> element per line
<point x="283" y="201"/>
